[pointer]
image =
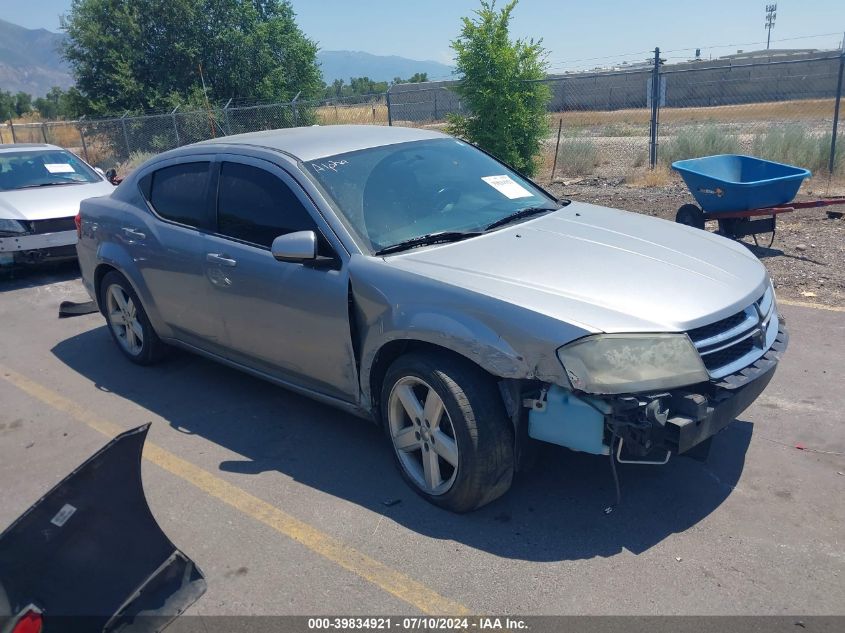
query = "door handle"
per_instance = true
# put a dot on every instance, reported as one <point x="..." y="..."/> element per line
<point x="128" y="230"/>
<point x="217" y="258"/>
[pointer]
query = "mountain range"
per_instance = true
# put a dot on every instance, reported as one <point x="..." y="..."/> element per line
<point x="30" y="62"/>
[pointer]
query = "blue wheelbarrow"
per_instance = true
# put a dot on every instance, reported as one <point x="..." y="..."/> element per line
<point x="732" y="189"/>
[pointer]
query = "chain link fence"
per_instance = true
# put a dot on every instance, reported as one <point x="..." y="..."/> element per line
<point x="617" y="124"/>
<point x="109" y="142"/>
<point x="613" y="124"/>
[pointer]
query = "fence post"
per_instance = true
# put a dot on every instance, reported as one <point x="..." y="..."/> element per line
<point x="44" y="132"/>
<point x="175" y="127"/>
<point x="655" y="99"/>
<point x="435" y="105"/>
<point x="12" y="127"/>
<point x="832" y="161"/>
<point x="389" y="111"/>
<point x="125" y="134"/>
<point x="557" y="148"/>
<point x="295" y="111"/>
<point x="226" y="116"/>
<point x="82" y="137"/>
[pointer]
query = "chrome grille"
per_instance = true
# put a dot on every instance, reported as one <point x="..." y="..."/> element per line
<point x="732" y="343"/>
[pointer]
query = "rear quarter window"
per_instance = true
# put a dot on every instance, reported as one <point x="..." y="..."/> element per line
<point x="179" y="193"/>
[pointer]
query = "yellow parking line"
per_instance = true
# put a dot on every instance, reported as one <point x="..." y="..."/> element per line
<point x="390" y="580"/>
<point x="807" y="304"/>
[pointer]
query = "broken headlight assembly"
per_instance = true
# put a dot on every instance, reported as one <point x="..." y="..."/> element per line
<point x="12" y="227"/>
<point x="628" y="363"/>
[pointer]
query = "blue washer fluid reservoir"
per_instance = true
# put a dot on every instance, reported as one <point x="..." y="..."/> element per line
<point x="569" y="421"/>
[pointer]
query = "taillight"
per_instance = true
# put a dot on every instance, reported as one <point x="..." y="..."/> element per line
<point x="78" y="222"/>
<point x="29" y="622"/>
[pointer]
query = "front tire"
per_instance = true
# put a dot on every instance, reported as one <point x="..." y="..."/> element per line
<point x="452" y="440"/>
<point x="128" y="323"/>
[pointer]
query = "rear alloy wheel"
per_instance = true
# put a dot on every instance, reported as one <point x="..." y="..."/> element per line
<point x="451" y="438"/>
<point x="128" y="323"/>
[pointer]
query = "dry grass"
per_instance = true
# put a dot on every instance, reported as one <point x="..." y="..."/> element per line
<point x="29" y="129"/>
<point x="646" y="178"/>
<point x="135" y="160"/>
<point x="799" y="110"/>
<point x="361" y="114"/>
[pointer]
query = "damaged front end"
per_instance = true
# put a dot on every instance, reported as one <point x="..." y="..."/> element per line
<point x="649" y="426"/>
<point x="89" y="555"/>
<point x="36" y="241"/>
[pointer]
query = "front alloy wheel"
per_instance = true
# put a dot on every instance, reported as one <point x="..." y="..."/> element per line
<point x="423" y="435"/>
<point x="451" y="438"/>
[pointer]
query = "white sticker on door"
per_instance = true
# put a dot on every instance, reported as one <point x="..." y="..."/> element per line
<point x="63" y="515"/>
<point x="507" y="186"/>
<point x="59" y="168"/>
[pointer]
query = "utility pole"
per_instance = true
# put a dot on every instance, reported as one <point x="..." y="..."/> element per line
<point x="770" y="21"/>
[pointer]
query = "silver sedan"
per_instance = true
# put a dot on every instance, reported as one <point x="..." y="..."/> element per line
<point x="41" y="187"/>
<point x="408" y="277"/>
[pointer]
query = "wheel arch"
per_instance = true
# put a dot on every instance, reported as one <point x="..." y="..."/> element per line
<point x="106" y="265"/>
<point x="390" y="351"/>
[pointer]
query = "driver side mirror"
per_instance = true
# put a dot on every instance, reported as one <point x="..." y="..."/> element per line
<point x="298" y="247"/>
<point x="111" y="176"/>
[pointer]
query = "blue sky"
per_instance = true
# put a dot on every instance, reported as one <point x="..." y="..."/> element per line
<point x="574" y="32"/>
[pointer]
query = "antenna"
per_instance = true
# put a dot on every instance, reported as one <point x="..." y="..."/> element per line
<point x="770" y="21"/>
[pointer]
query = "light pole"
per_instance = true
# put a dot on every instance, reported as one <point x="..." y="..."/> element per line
<point x="770" y="21"/>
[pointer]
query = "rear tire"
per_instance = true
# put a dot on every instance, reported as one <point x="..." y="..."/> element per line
<point x="690" y="215"/>
<point x="128" y="323"/>
<point x="452" y="440"/>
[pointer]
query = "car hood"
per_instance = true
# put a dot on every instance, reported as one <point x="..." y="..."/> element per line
<point x="45" y="203"/>
<point x="602" y="269"/>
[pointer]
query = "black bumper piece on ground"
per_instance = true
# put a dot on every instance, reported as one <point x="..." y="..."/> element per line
<point x="697" y="417"/>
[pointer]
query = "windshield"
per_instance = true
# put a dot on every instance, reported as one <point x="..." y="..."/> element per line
<point x="42" y="168"/>
<point x="391" y="194"/>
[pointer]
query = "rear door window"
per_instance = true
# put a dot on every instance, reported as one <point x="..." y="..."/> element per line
<point x="256" y="206"/>
<point x="179" y="193"/>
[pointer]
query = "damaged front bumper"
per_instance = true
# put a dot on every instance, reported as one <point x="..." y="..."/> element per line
<point x="47" y="239"/>
<point x="651" y="425"/>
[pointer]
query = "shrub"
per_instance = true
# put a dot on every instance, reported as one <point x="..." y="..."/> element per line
<point x="135" y="160"/>
<point x="500" y="84"/>
<point x="697" y="141"/>
<point x="576" y="156"/>
<point x="796" y="145"/>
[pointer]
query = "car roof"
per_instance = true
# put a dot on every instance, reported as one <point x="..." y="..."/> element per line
<point x="311" y="143"/>
<point x="13" y="147"/>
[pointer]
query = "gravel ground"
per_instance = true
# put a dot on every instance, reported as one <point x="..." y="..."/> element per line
<point x="806" y="261"/>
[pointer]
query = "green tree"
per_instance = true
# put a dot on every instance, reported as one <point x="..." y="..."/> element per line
<point x="416" y="78"/>
<point x="131" y="55"/>
<point x="498" y="84"/>
<point x="23" y="103"/>
<point x="7" y="105"/>
<point x="52" y="105"/>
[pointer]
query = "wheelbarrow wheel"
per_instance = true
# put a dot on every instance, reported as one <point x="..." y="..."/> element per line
<point x="690" y="215"/>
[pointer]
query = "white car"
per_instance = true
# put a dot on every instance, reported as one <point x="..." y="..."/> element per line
<point x="41" y="187"/>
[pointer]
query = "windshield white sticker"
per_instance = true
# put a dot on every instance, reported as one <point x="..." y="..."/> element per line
<point x="59" y="168"/>
<point x="63" y="515"/>
<point x="506" y="186"/>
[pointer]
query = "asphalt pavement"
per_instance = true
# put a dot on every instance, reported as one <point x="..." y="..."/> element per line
<point x="292" y="507"/>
